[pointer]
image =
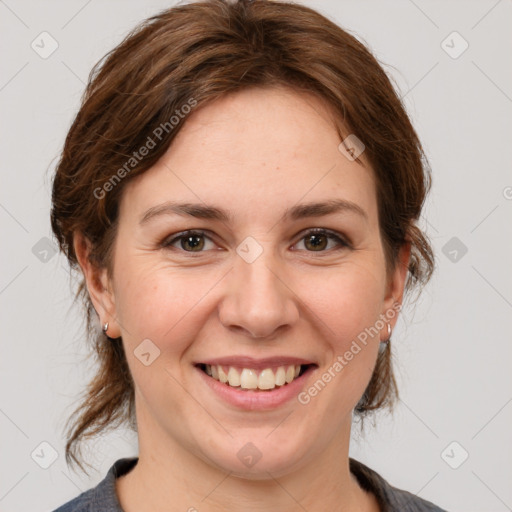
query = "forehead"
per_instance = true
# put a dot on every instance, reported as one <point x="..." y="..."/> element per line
<point x="255" y="149"/>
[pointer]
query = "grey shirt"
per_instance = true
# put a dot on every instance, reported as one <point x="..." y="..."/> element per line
<point x="103" y="497"/>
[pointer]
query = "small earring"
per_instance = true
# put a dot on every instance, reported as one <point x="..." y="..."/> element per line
<point x="105" y="328"/>
<point x="386" y="342"/>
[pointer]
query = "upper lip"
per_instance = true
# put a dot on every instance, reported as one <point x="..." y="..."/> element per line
<point x="257" y="364"/>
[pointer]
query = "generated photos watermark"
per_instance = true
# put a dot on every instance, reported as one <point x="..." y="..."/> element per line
<point x="137" y="156"/>
<point x="342" y="360"/>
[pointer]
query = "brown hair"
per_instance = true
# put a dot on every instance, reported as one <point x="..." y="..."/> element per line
<point x="194" y="54"/>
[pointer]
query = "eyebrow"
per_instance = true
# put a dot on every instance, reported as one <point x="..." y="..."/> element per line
<point x="202" y="211"/>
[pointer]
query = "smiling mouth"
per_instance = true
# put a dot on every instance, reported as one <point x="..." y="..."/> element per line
<point x="257" y="380"/>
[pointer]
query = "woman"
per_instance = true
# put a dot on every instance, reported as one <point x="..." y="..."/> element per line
<point x="240" y="190"/>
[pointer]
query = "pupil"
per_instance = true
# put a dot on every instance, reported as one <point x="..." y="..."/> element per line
<point x="315" y="242"/>
<point x="190" y="241"/>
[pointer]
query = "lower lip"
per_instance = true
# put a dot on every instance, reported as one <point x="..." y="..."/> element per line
<point x="251" y="400"/>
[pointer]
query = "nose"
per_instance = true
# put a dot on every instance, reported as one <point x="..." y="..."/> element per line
<point x="259" y="301"/>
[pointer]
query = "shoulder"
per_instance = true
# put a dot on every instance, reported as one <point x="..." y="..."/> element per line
<point x="103" y="497"/>
<point x="408" y="502"/>
<point x="79" y="504"/>
<point x="389" y="497"/>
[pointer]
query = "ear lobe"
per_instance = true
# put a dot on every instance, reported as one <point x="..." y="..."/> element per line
<point x="98" y="284"/>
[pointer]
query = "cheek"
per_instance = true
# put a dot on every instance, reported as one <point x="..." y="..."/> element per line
<point x="346" y="306"/>
<point x="347" y="300"/>
<point x="161" y="304"/>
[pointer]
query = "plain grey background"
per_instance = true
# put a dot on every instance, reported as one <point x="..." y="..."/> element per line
<point x="453" y="352"/>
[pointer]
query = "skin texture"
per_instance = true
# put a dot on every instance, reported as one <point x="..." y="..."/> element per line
<point x="255" y="153"/>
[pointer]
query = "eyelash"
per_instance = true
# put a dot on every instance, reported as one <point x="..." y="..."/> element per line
<point x="167" y="243"/>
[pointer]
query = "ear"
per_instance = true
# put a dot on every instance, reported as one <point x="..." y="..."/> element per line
<point x="98" y="285"/>
<point x="395" y="288"/>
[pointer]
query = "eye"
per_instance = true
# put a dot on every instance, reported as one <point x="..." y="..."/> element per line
<point x="318" y="240"/>
<point x="190" y="241"/>
<point x="315" y="240"/>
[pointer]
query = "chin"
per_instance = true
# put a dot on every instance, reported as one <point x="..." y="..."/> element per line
<point x="254" y="460"/>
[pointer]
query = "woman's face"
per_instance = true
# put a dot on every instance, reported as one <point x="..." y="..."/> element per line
<point x="254" y="285"/>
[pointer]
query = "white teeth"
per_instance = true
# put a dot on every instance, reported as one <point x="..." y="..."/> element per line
<point x="266" y="380"/>
<point x="280" y="376"/>
<point x="250" y="379"/>
<point x="222" y="374"/>
<point x="233" y="377"/>
<point x="290" y="374"/>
